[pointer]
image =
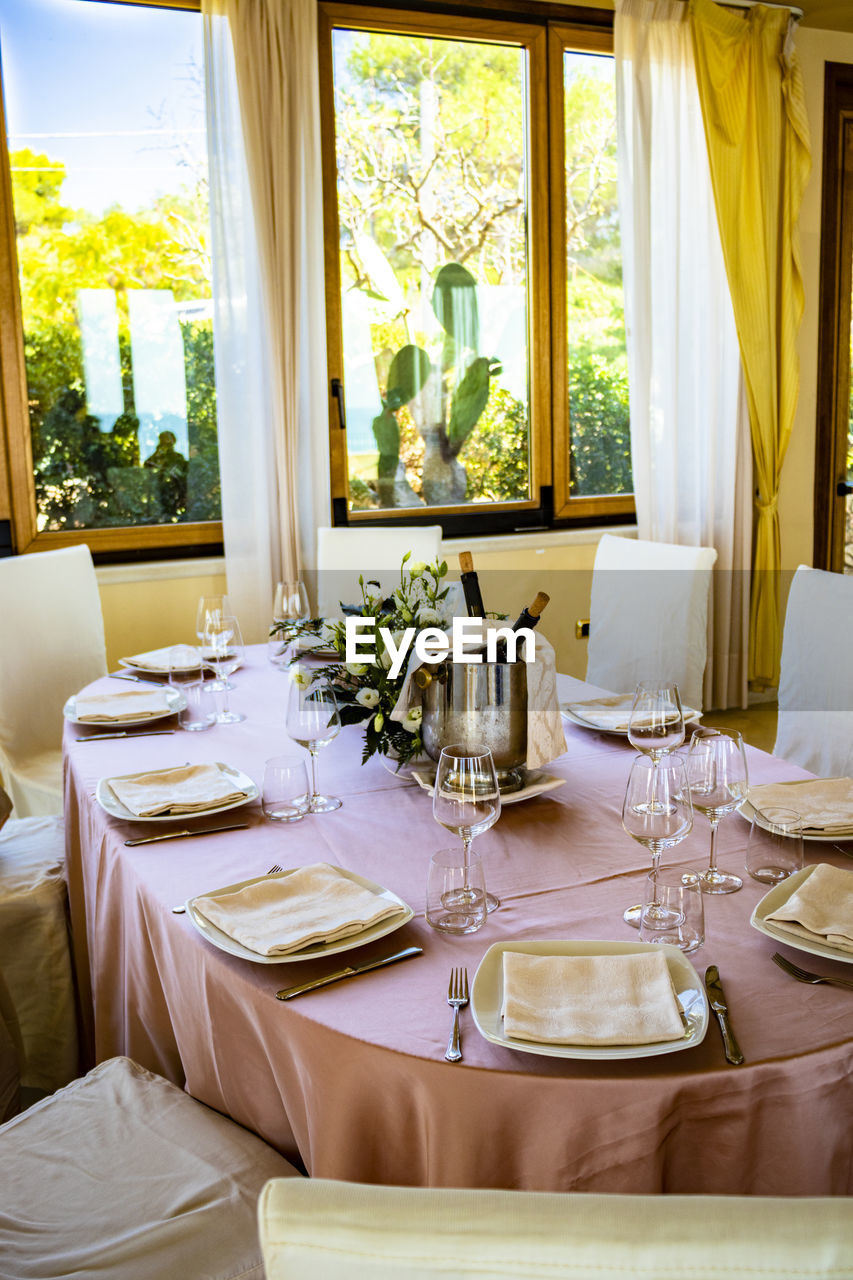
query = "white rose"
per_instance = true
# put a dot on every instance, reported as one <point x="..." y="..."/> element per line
<point x="300" y="675"/>
<point x="429" y="618"/>
<point x="412" y="719"/>
<point x="367" y="697"/>
<point x="356" y="668"/>
<point x="417" y="568"/>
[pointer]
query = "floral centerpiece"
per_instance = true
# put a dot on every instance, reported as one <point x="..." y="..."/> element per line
<point x="366" y="691"/>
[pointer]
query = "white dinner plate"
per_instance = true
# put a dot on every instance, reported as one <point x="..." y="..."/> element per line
<point x="748" y="810"/>
<point x="690" y="717"/>
<point x="536" y="783"/>
<point x="111" y="804"/>
<point x="779" y="894"/>
<point x="175" y="699"/>
<point x="319" y="949"/>
<point x="487" y="999"/>
<point x="164" y="671"/>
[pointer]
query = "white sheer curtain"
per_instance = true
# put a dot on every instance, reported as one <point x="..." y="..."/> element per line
<point x="690" y="446"/>
<point x="269" y="326"/>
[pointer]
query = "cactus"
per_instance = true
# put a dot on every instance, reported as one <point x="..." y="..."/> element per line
<point x="446" y="400"/>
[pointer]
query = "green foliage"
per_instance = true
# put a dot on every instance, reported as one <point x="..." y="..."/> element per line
<point x="600" y="434"/>
<point x="497" y="452"/>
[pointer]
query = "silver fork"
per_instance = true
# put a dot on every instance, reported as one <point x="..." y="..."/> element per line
<point x="179" y="911"/>
<point x="803" y="975"/>
<point x="457" y="998"/>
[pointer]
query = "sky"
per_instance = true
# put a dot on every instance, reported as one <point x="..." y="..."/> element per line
<point x="105" y="88"/>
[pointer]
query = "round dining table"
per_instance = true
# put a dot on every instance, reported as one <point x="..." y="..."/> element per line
<point x="351" y="1079"/>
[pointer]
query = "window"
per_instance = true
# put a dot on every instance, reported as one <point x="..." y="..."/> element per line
<point x="474" y="289"/>
<point x="111" y="416"/>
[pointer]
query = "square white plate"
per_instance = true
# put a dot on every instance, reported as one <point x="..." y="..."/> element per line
<point x="748" y="810"/>
<point x="111" y="804"/>
<point x="779" y="894"/>
<point x="487" y="999"/>
<point x="536" y="783"/>
<point x="174" y="698"/>
<point x="235" y="948"/>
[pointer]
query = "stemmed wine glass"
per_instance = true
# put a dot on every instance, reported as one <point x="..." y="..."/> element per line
<point x="466" y="799"/>
<point x="222" y="652"/>
<point x="657" y="810"/>
<point x="290" y="608"/>
<point x="313" y="720"/>
<point x="719" y="780"/>
<point x="656" y="723"/>
<point x="211" y="609"/>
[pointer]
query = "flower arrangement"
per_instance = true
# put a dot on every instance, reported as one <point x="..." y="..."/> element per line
<point x="366" y="691"/>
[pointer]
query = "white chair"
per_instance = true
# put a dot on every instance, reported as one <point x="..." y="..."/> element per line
<point x="123" y="1176"/>
<point x="815" y="725"/>
<point x="344" y="553"/>
<point x="346" y="1231"/>
<point x="648" y="617"/>
<point x="51" y="645"/>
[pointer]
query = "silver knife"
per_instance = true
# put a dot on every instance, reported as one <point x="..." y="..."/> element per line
<point x="717" y="1000"/>
<point x="178" y="835"/>
<point x="287" y="993"/>
<point x="146" y="733"/>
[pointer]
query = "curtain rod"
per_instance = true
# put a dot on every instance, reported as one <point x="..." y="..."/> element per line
<point x="750" y="4"/>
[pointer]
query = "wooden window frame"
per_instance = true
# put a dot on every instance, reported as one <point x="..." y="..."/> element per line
<point x="16" y="460"/>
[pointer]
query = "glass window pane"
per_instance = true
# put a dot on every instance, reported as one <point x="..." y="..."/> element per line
<point x="600" y="460"/>
<point x="432" y="207"/>
<point x="106" y="134"/>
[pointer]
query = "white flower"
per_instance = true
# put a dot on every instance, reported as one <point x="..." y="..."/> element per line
<point x="356" y="668"/>
<point x="367" y="697"/>
<point x="385" y="659"/>
<point x="429" y="618"/>
<point x="300" y="675"/>
<point x="412" y="719"/>
<point x="416" y="568"/>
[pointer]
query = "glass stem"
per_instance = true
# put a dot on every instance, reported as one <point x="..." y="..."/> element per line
<point x="712" y="865"/>
<point x="655" y="869"/>
<point x="466" y="862"/>
<point x="313" y="756"/>
<point x="226" y="705"/>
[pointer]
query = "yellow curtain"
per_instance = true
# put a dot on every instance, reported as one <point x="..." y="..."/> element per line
<point x="754" y="114"/>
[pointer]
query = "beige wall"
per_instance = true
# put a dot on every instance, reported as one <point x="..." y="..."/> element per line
<point x="145" y="612"/>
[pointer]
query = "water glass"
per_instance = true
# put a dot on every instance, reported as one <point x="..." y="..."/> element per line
<point x="285" y="790"/>
<point x="673" y="910"/>
<point x="774" y="849"/>
<point x="200" y="711"/>
<point x="456" y="891"/>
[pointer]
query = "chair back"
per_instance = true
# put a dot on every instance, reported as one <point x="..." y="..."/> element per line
<point x="345" y="552"/>
<point x="648" y="616"/>
<point x="815" y="726"/>
<point x="346" y="1231"/>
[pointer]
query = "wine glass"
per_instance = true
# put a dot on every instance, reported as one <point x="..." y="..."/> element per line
<point x="290" y="608"/>
<point x="223" y="653"/>
<point x="657" y="811"/>
<point x="719" y="780"/>
<point x="656" y="723"/>
<point x="210" y="609"/>
<point x="313" y="720"/>
<point x="466" y="799"/>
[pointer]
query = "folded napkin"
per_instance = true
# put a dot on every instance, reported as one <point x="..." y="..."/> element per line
<point x="824" y="804"/>
<point x="613" y="713"/>
<point x="184" y="790"/>
<point x="177" y="656"/>
<point x="276" y="916"/>
<point x="96" y="708"/>
<point x="601" y="1000"/>
<point x="821" y="908"/>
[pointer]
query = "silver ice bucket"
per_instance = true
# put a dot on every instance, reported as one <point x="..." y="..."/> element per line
<point x="478" y="704"/>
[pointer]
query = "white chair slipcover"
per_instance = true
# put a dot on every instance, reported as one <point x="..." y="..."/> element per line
<point x="35" y="957"/>
<point x="648" y="617"/>
<point x="123" y="1176"/>
<point x="344" y="553"/>
<point x="51" y="645"/>
<point x="815" y="725"/>
<point x="345" y="1231"/>
<point x="11" y="1053"/>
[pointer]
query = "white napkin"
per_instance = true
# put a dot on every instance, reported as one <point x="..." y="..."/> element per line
<point x="824" y="804"/>
<point x="102" y="707"/>
<point x="612" y="713"/>
<point x="821" y="908"/>
<point x="177" y="656"/>
<point x="184" y="790"/>
<point x="278" y="915"/>
<point x="600" y="1000"/>
<point x="545" y="737"/>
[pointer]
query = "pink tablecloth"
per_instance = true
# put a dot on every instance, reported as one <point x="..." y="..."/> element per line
<point x="352" y="1078"/>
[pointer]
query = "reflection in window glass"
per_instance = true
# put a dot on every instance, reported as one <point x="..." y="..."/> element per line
<point x="105" y="120"/>
<point x="431" y="163"/>
<point x="598" y="367"/>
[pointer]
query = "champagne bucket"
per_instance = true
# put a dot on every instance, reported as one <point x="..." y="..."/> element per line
<point x="478" y="704"/>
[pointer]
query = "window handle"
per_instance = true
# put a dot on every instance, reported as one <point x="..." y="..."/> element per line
<point x="337" y="388"/>
<point x="843" y="488"/>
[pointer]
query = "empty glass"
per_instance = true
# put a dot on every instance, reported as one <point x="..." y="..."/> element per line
<point x="466" y="798"/>
<point x="656" y="723"/>
<point x="313" y="720"/>
<point x="456" y="891"/>
<point x="656" y="811"/>
<point x="200" y="711"/>
<point x="774" y="849"/>
<point x="719" y="781"/>
<point x="673" y="910"/>
<point x="223" y="653"/>
<point x="290" y="608"/>
<point x="285" y="790"/>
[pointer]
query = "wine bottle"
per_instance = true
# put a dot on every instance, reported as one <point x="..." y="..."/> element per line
<point x="528" y="618"/>
<point x="471" y="586"/>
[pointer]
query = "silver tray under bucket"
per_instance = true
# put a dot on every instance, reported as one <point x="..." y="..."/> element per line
<point x="478" y="704"/>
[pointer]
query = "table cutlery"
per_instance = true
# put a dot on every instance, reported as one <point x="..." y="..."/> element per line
<point x="180" y="835"/>
<point x="114" y="675"/>
<point x="146" y="733"/>
<point x="717" y="1000"/>
<point x="805" y="975"/>
<point x="457" y="998"/>
<point x="287" y="993"/>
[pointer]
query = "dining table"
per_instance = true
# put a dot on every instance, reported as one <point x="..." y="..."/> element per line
<point x="350" y="1080"/>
